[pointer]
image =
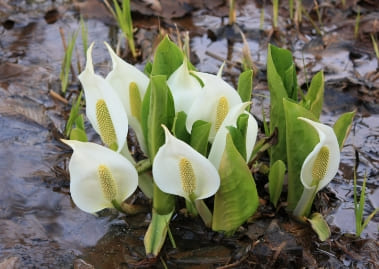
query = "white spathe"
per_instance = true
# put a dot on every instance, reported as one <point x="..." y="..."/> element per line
<point x="85" y="184"/>
<point x="97" y="88"/>
<point x="327" y="139"/>
<point x="119" y="78"/>
<point x="184" y="87"/>
<point x="205" y="105"/>
<point x="167" y="172"/>
<point x="219" y="143"/>
<point x="319" y="167"/>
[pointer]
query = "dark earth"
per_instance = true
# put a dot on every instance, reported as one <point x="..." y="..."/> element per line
<point x="40" y="227"/>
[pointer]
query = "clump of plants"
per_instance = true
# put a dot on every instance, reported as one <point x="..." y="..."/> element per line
<point x="198" y="138"/>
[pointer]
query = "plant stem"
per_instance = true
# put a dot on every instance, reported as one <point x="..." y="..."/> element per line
<point x="204" y="212"/>
<point x="304" y="205"/>
<point x="143" y="166"/>
<point x="275" y="12"/>
<point x="232" y="12"/>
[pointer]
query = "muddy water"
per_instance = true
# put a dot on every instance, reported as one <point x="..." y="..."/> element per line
<point x="40" y="226"/>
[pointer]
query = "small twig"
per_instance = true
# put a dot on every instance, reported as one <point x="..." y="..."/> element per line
<point x="234" y="264"/>
<point x="277" y="252"/>
<point x="221" y="59"/>
<point x="58" y="97"/>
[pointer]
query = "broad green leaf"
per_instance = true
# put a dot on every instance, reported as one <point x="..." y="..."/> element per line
<point x="343" y="126"/>
<point x="156" y="233"/>
<point x="282" y="69"/>
<point x="237" y="198"/>
<point x="300" y="139"/>
<point x="78" y="134"/>
<point x="199" y="136"/>
<point x="168" y="57"/>
<point x="314" y="98"/>
<point x="163" y="202"/>
<point x="179" y="129"/>
<point x="245" y="86"/>
<point x="281" y="77"/>
<point x="275" y="181"/>
<point x="157" y="109"/>
<point x="320" y="226"/>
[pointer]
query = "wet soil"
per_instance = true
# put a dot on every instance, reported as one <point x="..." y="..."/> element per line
<point x="40" y="227"/>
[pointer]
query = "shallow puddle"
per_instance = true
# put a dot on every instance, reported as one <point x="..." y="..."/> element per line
<point x="42" y="228"/>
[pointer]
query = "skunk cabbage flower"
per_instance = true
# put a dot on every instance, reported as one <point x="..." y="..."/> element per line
<point x="219" y="143"/>
<point x="103" y="107"/>
<point x="179" y="169"/>
<point x="320" y="166"/>
<point x="213" y="103"/>
<point x="100" y="177"/>
<point x="130" y="85"/>
<point x="184" y="87"/>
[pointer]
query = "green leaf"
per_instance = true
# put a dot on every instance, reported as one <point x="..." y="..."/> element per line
<point x="179" y="129"/>
<point x="66" y="63"/>
<point x="157" y="109"/>
<point x="281" y="77"/>
<point x="78" y="134"/>
<point x="238" y="140"/>
<point x="237" y="198"/>
<point x="204" y="212"/>
<point x="343" y="126"/>
<point x="124" y="20"/>
<point x="314" y="98"/>
<point x="168" y="57"/>
<point x="148" y="68"/>
<point x="74" y="113"/>
<point x="146" y="184"/>
<point x="368" y="219"/>
<point x="163" y="202"/>
<point x="275" y="181"/>
<point x="156" y="233"/>
<point x="245" y="86"/>
<point x="79" y="122"/>
<point x="239" y="134"/>
<point x="300" y="139"/>
<point x="320" y="226"/>
<point x="360" y="225"/>
<point x="199" y="136"/>
<point x="282" y="70"/>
